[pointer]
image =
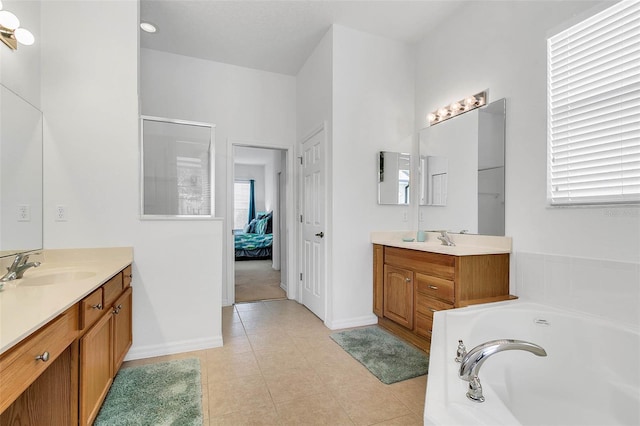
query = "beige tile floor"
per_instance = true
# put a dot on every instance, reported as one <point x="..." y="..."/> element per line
<point x="278" y="366"/>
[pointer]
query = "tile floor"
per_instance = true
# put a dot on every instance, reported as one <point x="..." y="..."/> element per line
<point x="278" y="366"/>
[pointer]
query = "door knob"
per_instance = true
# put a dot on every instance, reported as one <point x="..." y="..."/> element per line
<point x="320" y="234"/>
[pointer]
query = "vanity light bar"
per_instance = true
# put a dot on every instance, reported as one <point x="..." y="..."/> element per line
<point x="456" y="108"/>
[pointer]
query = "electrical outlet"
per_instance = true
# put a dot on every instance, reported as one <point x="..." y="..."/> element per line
<point x="24" y="213"/>
<point x="61" y="213"/>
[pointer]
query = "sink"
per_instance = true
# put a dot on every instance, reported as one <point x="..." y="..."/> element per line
<point x="55" y="276"/>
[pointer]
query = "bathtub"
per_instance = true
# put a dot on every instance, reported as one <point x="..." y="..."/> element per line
<point x="590" y="376"/>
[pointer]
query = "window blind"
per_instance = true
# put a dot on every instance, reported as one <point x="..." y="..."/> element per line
<point x="594" y="109"/>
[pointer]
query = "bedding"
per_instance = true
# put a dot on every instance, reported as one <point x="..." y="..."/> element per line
<point x="255" y="241"/>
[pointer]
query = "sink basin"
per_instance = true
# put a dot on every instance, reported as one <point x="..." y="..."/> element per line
<point x="53" y="277"/>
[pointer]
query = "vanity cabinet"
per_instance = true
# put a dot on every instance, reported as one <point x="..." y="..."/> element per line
<point x="104" y="346"/>
<point x="61" y="373"/>
<point x="411" y="285"/>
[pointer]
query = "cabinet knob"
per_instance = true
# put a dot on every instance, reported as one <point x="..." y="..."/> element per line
<point x="44" y="357"/>
<point x="408" y="280"/>
<point x="98" y="306"/>
<point x="117" y="309"/>
<point x="433" y="287"/>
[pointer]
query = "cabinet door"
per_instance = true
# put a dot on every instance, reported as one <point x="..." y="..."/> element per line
<point x="122" y="332"/>
<point x="398" y="295"/>
<point x="96" y="368"/>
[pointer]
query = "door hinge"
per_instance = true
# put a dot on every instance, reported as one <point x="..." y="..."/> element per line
<point x="300" y="158"/>
<point x="300" y="218"/>
<point x="300" y="276"/>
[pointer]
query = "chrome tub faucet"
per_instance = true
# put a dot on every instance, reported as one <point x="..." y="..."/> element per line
<point x="472" y="361"/>
<point x="18" y="267"/>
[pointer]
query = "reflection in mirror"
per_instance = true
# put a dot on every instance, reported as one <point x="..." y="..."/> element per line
<point x="433" y="190"/>
<point x="20" y="175"/>
<point x="471" y="196"/>
<point x="394" y="178"/>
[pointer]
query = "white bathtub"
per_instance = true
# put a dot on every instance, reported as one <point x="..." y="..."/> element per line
<point x="590" y="376"/>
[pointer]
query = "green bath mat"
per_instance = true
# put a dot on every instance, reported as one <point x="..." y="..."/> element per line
<point x="385" y="356"/>
<point x="164" y="393"/>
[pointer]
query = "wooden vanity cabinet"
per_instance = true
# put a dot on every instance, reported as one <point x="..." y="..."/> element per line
<point x="411" y="285"/>
<point x="104" y="346"/>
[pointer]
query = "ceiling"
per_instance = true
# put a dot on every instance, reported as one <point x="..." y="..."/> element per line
<point x="278" y="36"/>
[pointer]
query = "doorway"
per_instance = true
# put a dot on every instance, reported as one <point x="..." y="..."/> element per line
<point x="259" y="200"/>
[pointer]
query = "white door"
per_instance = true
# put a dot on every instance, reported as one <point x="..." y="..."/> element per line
<point x="313" y="224"/>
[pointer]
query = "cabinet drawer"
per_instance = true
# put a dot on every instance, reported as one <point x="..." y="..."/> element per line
<point x="20" y="367"/>
<point x="424" y="325"/>
<point x="435" y="287"/>
<point x="91" y="308"/>
<point x="435" y="264"/>
<point x="112" y="289"/>
<point x="126" y="277"/>
<point x="427" y="305"/>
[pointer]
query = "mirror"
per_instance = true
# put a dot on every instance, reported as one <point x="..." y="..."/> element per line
<point x="461" y="172"/>
<point x="394" y="178"/>
<point x="20" y="175"/>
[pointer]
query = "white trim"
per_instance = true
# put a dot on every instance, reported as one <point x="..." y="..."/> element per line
<point x="170" y="348"/>
<point x="370" y="319"/>
<point x="290" y="216"/>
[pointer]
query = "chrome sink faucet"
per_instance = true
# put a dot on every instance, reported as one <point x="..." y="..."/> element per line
<point x="473" y="360"/>
<point x="18" y="267"/>
<point x="446" y="239"/>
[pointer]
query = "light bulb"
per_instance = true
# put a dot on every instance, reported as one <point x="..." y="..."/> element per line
<point x="455" y="106"/>
<point x="431" y="117"/>
<point x="148" y="27"/>
<point x="24" y="36"/>
<point x="470" y="101"/>
<point x="443" y="112"/>
<point x="0" y="5"/>
<point x="9" y="20"/>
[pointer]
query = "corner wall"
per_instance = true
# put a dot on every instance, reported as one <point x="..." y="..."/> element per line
<point x="577" y="258"/>
<point x="91" y="151"/>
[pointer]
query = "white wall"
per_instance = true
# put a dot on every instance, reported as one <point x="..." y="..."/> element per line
<point x="507" y="55"/>
<point x="90" y="105"/>
<point x="247" y="106"/>
<point x="373" y="98"/>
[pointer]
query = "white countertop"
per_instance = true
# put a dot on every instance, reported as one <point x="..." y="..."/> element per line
<point x="63" y="279"/>
<point x="466" y="244"/>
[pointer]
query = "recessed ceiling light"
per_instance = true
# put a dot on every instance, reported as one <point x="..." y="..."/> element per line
<point x="148" y="27"/>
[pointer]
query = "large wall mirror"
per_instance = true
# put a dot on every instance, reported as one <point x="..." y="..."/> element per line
<point x="461" y="171"/>
<point x="394" y="178"/>
<point x="20" y="175"/>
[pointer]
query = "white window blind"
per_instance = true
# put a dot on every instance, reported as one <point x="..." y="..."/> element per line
<point x="594" y="109"/>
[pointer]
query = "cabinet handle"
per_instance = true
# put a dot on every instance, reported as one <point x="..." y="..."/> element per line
<point x="117" y="309"/>
<point x="98" y="306"/>
<point x="44" y="357"/>
<point x="433" y="287"/>
<point x="408" y="280"/>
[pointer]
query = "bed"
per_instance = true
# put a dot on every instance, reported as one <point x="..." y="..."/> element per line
<point x="255" y="241"/>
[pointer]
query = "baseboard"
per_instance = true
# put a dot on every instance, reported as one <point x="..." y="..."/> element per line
<point x="283" y="286"/>
<point x="170" y="348"/>
<point x="352" y="322"/>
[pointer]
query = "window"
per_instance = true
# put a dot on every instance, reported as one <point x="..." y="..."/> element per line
<point x="594" y="109"/>
<point x="241" y="191"/>
<point x="176" y="168"/>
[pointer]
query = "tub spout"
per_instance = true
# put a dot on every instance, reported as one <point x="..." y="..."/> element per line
<point x="473" y="360"/>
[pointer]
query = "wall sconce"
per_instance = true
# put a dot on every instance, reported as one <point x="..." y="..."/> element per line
<point x="465" y="105"/>
<point x="10" y="31"/>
